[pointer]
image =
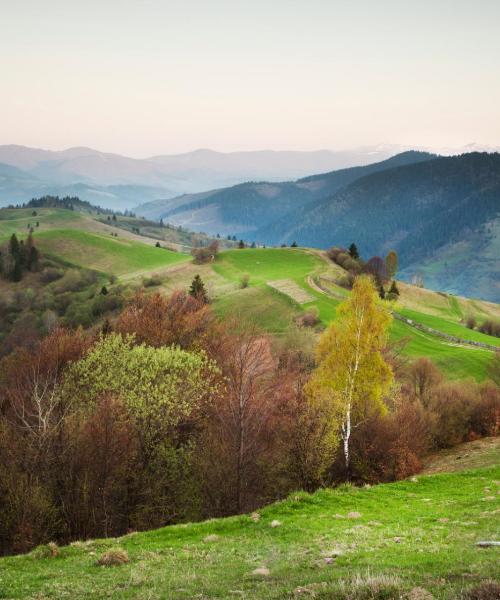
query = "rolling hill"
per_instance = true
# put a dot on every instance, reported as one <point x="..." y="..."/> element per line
<point x="283" y="282"/>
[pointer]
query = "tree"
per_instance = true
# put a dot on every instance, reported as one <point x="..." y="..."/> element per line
<point x="241" y="244"/>
<point x="391" y="264"/>
<point x="293" y="244"/>
<point x="353" y="251"/>
<point x="376" y="268"/>
<point x="17" y="272"/>
<point x="394" y="288"/>
<point x="14" y="247"/>
<point x="352" y="375"/>
<point x="422" y="376"/>
<point x="197" y="289"/>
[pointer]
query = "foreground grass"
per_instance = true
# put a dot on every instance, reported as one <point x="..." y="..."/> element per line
<point x="420" y="532"/>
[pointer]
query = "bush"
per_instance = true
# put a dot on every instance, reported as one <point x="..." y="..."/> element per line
<point x="79" y="313"/>
<point x="75" y="280"/>
<point x="50" y="274"/>
<point x="451" y="406"/>
<point x="108" y="303"/>
<point x="486" y="590"/>
<point x="485" y="417"/>
<point x="490" y="327"/>
<point x="470" y="322"/>
<point x="152" y="281"/>
<point x="309" y="318"/>
<point x="113" y="558"/>
<point x="244" y="280"/>
<point x="346" y="281"/>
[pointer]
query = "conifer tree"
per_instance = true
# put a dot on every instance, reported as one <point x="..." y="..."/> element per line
<point x="353" y="251"/>
<point x="197" y="289"/>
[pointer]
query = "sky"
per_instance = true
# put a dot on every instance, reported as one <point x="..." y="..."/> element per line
<point x="146" y="77"/>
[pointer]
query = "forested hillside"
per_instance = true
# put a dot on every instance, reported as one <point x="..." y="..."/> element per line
<point x="250" y="206"/>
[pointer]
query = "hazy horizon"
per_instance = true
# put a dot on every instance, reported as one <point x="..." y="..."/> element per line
<point x="149" y="78"/>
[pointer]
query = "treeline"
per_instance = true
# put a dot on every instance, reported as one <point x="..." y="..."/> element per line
<point x="18" y="256"/>
<point x="168" y="414"/>
<point x="382" y="270"/>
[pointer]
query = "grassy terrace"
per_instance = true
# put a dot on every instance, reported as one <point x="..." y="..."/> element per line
<point x="420" y="532"/>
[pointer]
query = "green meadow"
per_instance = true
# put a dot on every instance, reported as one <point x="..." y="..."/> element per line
<point x="110" y="255"/>
<point x="263" y="305"/>
<point x="345" y="543"/>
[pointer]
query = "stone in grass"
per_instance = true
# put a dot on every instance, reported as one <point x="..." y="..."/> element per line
<point x="354" y="515"/>
<point x="275" y="523"/>
<point x="261" y="572"/>
<point x="113" y="558"/>
<point x="255" y="517"/>
<point x="213" y="537"/>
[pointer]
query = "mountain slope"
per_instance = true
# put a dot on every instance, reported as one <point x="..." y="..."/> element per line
<point x="422" y="210"/>
<point x="250" y="206"/>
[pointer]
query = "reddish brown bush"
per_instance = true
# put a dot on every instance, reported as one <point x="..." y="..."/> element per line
<point x="158" y="320"/>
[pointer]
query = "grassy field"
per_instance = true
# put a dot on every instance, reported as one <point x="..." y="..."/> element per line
<point x="267" y="264"/>
<point x="357" y="543"/>
<point x="265" y="308"/>
<point x="110" y="255"/>
<point x="19" y="220"/>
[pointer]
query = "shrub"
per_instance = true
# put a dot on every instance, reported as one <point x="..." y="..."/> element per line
<point x="113" y="558"/>
<point x="79" y="313"/>
<point x="490" y="327"/>
<point x="310" y="317"/>
<point x="452" y="405"/>
<point x="346" y="281"/>
<point x="485" y="417"/>
<point x="108" y="303"/>
<point x="244" y="280"/>
<point x="486" y="590"/>
<point x="470" y="322"/>
<point x="50" y="550"/>
<point x="206" y="253"/>
<point x="152" y="281"/>
<point x="50" y="274"/>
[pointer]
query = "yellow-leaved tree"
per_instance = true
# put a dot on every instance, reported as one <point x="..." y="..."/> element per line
<point x="352" y="376"/>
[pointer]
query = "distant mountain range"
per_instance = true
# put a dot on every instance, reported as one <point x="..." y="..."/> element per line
<point x="121" y="182"/>
<point x="442" y="215"/>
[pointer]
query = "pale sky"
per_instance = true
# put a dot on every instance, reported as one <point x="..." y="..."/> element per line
<point x="162" y="76"/>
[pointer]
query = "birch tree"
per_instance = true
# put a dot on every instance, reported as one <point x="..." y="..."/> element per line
<point x="352" y="375"/>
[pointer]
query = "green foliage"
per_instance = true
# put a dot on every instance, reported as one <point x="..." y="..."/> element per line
<point x="164" y="384"/>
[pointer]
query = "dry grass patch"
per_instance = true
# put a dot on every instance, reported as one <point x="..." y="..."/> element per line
<point x="113" y="558"/>
<point x="291" y="289"/>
